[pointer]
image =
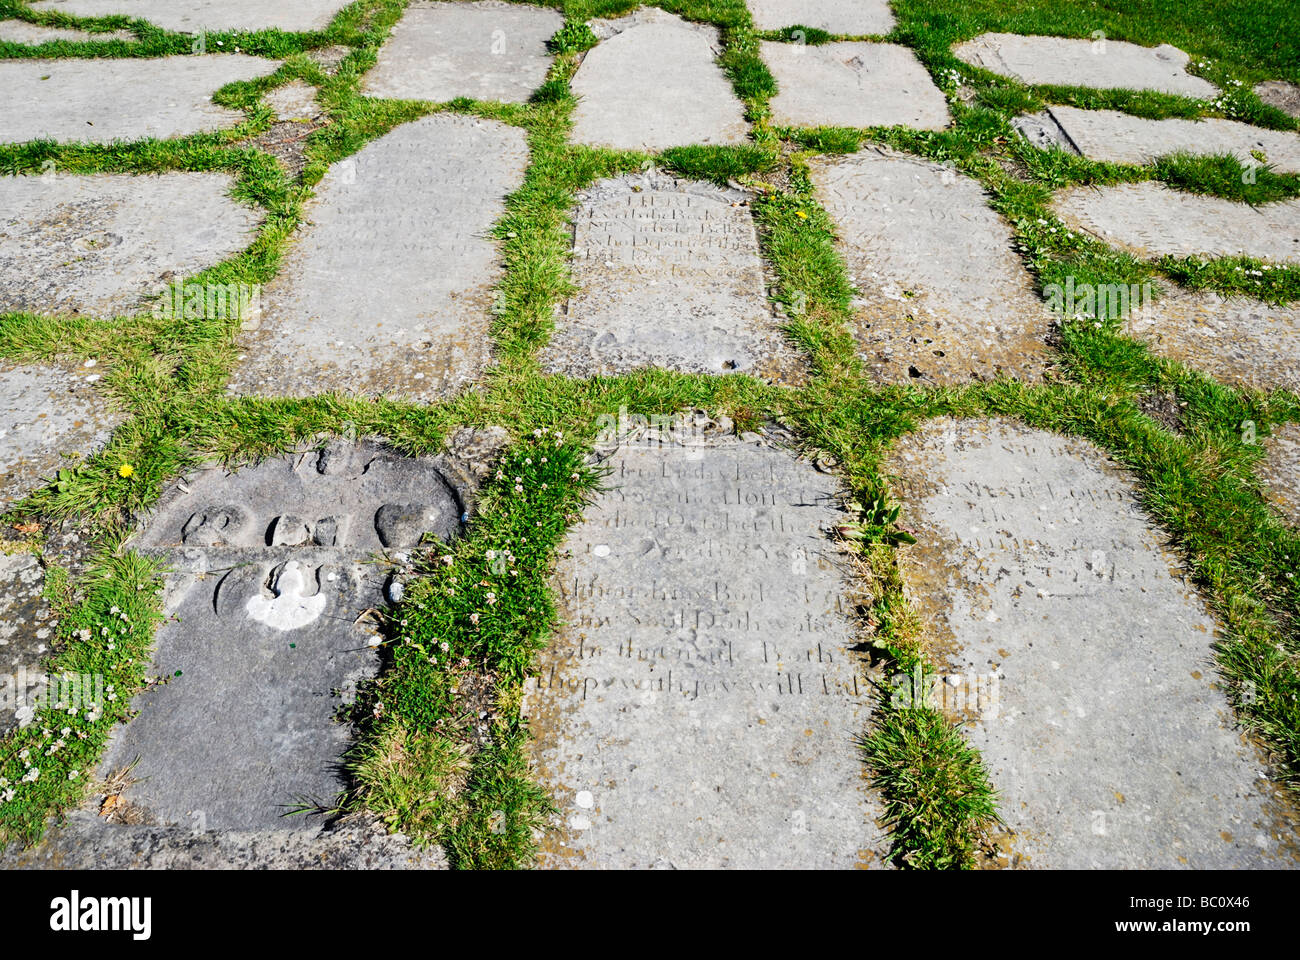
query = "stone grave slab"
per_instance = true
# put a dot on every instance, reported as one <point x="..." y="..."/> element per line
<point x="942" y="296"/>
<point x="653" y="83"/>
<point x="265" y="635"/>
<point x="1151" y="220"/>
<point x="699" y="707"/>
<point x="1281" y="94"/>
<point x="852" y="18"/>
<point x="1280" y="471"/>
<point x="853" y="84"/>
<point x="1112" y="746"/>
<point x="32" y="34"/>
<point x="1237" y="340"/>
<point x="100" y="101"/>
<point x="669" y="276"/>
<point x="389" y="288"/>
<point x="192" y="16"/>
<point x="486" y="50"/>
<point x="1115" y="137"/>
<point x="1106" y="64"/>
<point x="105" y="243"/>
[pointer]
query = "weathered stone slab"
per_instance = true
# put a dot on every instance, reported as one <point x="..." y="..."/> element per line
<point x="100" y="101"/>
<point x="32" y="34"/>
<point x="653" y="83"/>
<point x="1111" y="746"/>
<point x="192" y="16"/>
<point x="487" y="50"/>
<point x="669" y="276"/>
<point x="1280" y="471"/>
<point x="104" y="244"/>
<point x="1152" y="220"/>
<point x="269" y="579"/>
<point x="1237" y="340"/>
<point x="699" y="708"/>
<point x="853" y="85"/>
<point x="50" y="417"/>
<point x="942" y="296"/>
<point x="848" y="17"/>
<point x="1278" y="93"/>
<point x="389" y="290"/>
<point x="1107" y="64"/>
<point x="1115" y="137"/>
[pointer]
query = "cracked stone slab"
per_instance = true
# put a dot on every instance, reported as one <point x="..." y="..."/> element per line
<point x="32" y="34"/>
<point x="1151" y="220"/>
<point x="389" y="288"/>
<point x="669" y="276"/>
<point x="700" y="706"/>
<point x="192" y="16"/>
<point x="1115" y="137"/>
<point x="848" y="17"/>
<point x="942" y="296"/>
<point x="853" y="84"/>
<point x="1281" y="94"/>
<point x="1237" y="340"/>
<point x="100" y="101"/>
<point x="104" y="244"/>
<point x="1111" y="744"/>
<point x="652" y="83"/>
<point x="1280" y="471"/>
<point x="486" y="50"/>
<point x="1101" y="63"/>
<point x="265" y="640"/>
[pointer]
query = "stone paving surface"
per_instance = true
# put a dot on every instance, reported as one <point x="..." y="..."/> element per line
<point x="20" y="31"/>
<point x="192" y="16"/>
<point x="106" y="243"/>
<point x="1115" y="137"/>
<point x="1152" y="220"/>
<point x="100" y="101"/>
<point x="1278" y="93"/>
<point x="669" y="277"/>
<point x="701" y="701"/>
<point x="1107" y="64"/>
<point x="485" y="50"/>
<point x="1111" y="743"/>
<point x="942" y="295"/>
<point x="408" y="316"/>
<point x="653" y="83"/>
<point x="848" y="17"/>
<point x="853" y="85"/>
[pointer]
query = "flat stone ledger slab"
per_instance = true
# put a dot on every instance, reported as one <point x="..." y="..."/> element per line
<point x="389" y="290"/>
<point x="1281" y="94"/>
<point x="104" y="244"/>
<point x="652" y="83"/>
<point x="1280" y="471"/>
<point x="1237" y="340"/>
<point x="942" y="296"/>
<point x="1151" y="220"/>
<point x="1115" y="137"/>
<point x="848" y="17"/>
<point x="32" y="34"/>
<point x="1101" y="63"/>
<point x="1111" y="744"/>
<point x="670" y="277"/>
<point x="191" y="16"/>
<point x="486" y="50"/>
<point x="853" y="85"/>
<point x="699" y="708"/>
<point x="100" y="101"/>
<point x="269" y="577"/>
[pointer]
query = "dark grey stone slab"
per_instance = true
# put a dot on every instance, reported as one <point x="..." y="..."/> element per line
<point x="105" y="244"/>
<point x="487" y="50"/>
<point x="1112" y="745"/>
<point x="700" y="707"/>
<point x="192" y="16"/>
<point x="670" y="277"/>
<point x="389" y="288"/>
<point x="100" y="101"/>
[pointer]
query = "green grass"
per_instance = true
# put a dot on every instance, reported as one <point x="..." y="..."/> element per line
<point x="424" y="761"/>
